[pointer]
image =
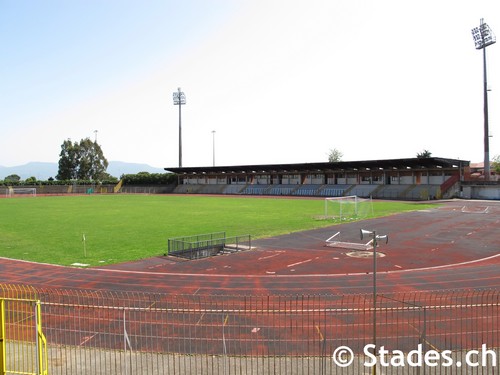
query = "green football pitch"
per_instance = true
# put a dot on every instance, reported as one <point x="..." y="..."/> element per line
<point x="104" y="229"/>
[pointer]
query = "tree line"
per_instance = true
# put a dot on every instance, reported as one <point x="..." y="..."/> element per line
<point x="84" y="162"/>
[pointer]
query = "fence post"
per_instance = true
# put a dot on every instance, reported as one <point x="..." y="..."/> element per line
<point x="41" y="342"/>
<point x="2" y="338"/>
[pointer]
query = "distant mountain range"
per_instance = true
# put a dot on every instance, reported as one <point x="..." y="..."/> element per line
<point x="43" y="171"/>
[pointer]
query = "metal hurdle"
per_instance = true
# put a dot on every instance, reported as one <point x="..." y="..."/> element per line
<point x="207" y="245"/>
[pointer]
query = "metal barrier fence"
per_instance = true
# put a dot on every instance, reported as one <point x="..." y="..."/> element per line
<point x="23" y="347"/>
<point x="101" y="332"/>
<point x="207" y="245"/>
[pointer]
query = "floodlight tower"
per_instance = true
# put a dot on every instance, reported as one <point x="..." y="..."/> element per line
<point x="483" y="37"/>
<point x="179" y="99"/>
<point x="375" y="237"/>
<point x="213" y="148"/>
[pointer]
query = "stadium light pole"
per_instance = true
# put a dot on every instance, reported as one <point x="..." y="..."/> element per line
<point x="179" y="99"/>
<point x="483" y="37"/>
<point x="213" y="148"/>
<point x="375" y="237"/>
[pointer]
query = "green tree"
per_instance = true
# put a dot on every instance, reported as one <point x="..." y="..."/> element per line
<point x="12" y="178"/>
<point x="146" y="178"/>
<point x="93" y="164"/>
<point x="496" y="164"/>
<point x="335" y="156"/>
<point x="84" y="160"/>
<point x="68" y="161"/>
<point x="30" y="180"/>
<point x="424" y="154"/>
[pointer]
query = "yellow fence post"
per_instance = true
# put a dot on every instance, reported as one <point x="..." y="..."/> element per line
<point x="3" y="359"/>
<point x="41" y="343"/>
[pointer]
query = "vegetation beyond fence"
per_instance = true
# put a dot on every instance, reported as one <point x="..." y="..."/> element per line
<point x="141" y="333"/>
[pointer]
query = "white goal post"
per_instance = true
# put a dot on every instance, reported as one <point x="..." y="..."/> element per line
<point x="26" y="192"/>
<point x="350" y="207"/>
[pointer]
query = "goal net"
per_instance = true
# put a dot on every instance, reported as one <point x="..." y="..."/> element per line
<point x="350" y="207"/>
<point x="18" y="192"/>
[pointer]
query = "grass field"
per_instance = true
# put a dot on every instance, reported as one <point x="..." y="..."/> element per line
<point x="120" y="228"/>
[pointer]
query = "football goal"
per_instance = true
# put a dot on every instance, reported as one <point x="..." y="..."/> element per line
<point x="18" y="192"/>
<point x="349" y="207"/>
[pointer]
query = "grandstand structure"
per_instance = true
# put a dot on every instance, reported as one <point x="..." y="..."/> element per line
<point x="408" y="179"/>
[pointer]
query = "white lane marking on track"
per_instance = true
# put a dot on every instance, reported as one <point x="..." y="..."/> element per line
<point x="269" y="256"/>
<point x="106" y="270"/>
<point x="295" y="264"/>
<point x="87" y="338"/>
<point x="312" y="275"/>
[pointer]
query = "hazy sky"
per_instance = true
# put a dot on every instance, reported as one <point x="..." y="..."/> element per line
<point x="280" y="81"/>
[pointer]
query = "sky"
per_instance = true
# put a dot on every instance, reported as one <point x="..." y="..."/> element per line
<point x="266" y="81"/>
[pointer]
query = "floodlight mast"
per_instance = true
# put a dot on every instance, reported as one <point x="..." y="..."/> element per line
<point x="483" y="37"/>
<point x="179" y="99"/>
<point x="213" y="148"/>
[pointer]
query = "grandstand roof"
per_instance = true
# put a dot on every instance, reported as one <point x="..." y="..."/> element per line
<point x="389" y="164"/>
